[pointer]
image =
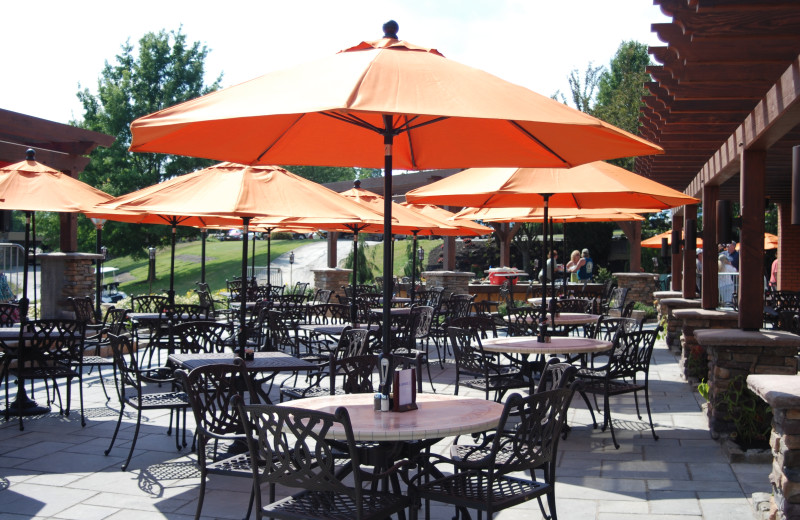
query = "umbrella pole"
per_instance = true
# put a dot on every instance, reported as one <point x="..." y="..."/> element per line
<point x="98" y="276"/>
<point x="564" y="233"/>
<point x="253" y="257"/>
<point x="203" y="236"/>
<point x="269" y="263"/>
<point x="388" y="141"/>
<point x="171" y="293"/>
<point x="355" y="277"/>
<point x="546" y="197"/>
<point x="413" y="265"/>
<point x="243" y="293"/>
<point x="553" y="246"/>
<point x="22" y="404"/>
<point x="35" y="292"/>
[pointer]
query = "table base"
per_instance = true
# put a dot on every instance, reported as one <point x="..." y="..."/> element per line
<point x="25" y="406"/>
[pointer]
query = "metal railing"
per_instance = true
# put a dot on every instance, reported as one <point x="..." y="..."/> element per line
<point x="261" y="273"/>
<point x="11" y="258"/>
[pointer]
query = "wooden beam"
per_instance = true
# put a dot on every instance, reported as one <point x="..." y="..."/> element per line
<point x="33" y="131"/>
<point x="751" y="251"/>
<point x="72" y="164"/>
<point x="709" y="292"/>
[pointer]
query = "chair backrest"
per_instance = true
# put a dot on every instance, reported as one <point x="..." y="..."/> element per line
<point x="631" y="354"/>
<point x="458" y="306"/>
<point x="353" y="374"/>
<point x="423" y="321"/>
<point x="429" y="297"/>
<point x="187" y="312"/>
<point x="322" y="296"/>
<point x="532" y="441"/>
<point x="627" y="311"/>
<point x="206" y="302"/>
<point x="556" y="375"/>
<point x="279" y="334"/>
<point x="352" y="342"/>
<point x="481" y="326"/>
<point x="55" y="341"/>
<point x="607" y="328"/>
<point x="9" y="314"/>
<point x="293" y="446"/>
<point x="84" y="310"/>
<point x="200" y="336"/>
<point x="209" y="389"/>
<point x="467" y="351"/>
<point x="124" y="354"/>
<point x="116" y="320"/>
<point x="300" y="288"/>
<point x="523" y="321"/>
<point x="575" y="305"/>
<point x="149" y="303"/>
<point x="617" y="298"/>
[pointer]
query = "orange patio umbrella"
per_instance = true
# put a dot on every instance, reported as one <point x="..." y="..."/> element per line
<point x="30" y="186"/>
<point x="385" y="103"/>
<point x="234" y="192"/>
<point x="559" y="214"/>
<point x="464" y="226"/>
<point x="655" y="242"/>
<point x="770" y="242"/>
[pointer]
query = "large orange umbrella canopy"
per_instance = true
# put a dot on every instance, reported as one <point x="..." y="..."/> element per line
<point x="237" y="191"/>
<point x="464" y="226"/>
<point x="655" y="242"/>
<point x="595" y="185"/>
<point x="31" y="186"/>
<point x="443" y="114"/>
<point x="557" y="214"/>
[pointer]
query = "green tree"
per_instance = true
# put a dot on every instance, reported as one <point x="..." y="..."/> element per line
<point x="620" y="91"/>
<point x="323" y="174"/>
<point x="582" y="90"/>
<point x="166" y="71"/>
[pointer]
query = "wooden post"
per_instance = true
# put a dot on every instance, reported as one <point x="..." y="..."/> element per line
<point x="677" y="263"/>
<point x="710" y="289"/>
<point x="689" y="288"/>
<point x="751" y="249"/>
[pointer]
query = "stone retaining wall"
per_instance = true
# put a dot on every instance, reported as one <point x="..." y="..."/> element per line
<point x="332" y="279"/>
<point x="641" y="286"/>
<point x="64" y="276"/>
<point x="734" y="352"/>
<point x="782" y="393"/>
<point x="694" y="359"/>
<point x="673" y="328"/>
<point x="454" y="282"/>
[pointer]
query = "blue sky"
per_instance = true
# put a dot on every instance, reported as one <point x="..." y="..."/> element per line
<point x="51" y="47"/>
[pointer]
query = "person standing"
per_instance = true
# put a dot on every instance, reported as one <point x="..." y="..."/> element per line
<point x="773" y="275"/>
<point x="733" y="255"/>
<point x="586" y="270"/>
<point x="546" y="274"/>
<point x="726" y="281"/>
<point x="575" y="263"/>
<point x="699" y="263"/>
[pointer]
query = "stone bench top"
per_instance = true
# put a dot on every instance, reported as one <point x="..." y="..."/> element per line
<point x="660" y="295"/>
<point x="680" y="302"/>
<point x="649" y="276"/>
<point x="706" y="314"/>
<point x="746" y="338"/>
<point x="778" y="391"/>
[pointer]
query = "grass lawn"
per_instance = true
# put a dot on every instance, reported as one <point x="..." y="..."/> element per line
<point x="223" y="261"/>
<point x="402" y="250"/>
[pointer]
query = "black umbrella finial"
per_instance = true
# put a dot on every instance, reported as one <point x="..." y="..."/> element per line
<point x="390" y="29"/>
<point x="357" y="184"/>
<point x="30" y="154"/>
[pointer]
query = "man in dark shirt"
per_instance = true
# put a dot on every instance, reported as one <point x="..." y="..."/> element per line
<point x="733" y="255"/>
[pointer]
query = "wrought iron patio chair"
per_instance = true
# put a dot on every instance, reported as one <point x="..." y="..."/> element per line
<point x="296" y="452"/>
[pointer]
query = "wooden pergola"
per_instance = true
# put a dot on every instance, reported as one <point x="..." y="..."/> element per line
<point x="724" y="106"/>
<point x="59" y="146"/>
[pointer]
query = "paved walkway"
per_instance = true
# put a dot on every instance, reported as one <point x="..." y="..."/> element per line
<point x="56" y="470"/>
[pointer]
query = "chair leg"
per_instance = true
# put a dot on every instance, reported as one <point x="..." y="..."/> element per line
<point x="202" y="494"/>
<point x="116" y="430"/>
<point x="102" y="381"/>
<point x="649" y="416"/>
<point x="591" y="409"/>
<point x="135" y="436"/>
<point x="607" y="421"/>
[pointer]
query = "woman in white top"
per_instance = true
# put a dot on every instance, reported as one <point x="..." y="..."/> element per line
<point x="726" y="281"/>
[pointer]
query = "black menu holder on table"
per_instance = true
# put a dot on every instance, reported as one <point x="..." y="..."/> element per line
<point x="405" y="390"/>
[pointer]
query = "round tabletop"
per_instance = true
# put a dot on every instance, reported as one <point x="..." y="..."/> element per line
<point x="568" y="318"/>
<point x="437" y="416"/>
<point x="557" y="345"/>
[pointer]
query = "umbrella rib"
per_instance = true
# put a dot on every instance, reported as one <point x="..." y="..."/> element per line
<point x="268" y="148"/>
<point x="530" y="135"/>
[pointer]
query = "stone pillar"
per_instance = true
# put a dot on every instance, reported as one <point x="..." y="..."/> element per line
<point x="453" y="281"/>
<point x="782" y="394"/>
<point x="65" y="275"/>
<point x="735" y="352"/>
<point x="332" y="279"/>
<point x="641" y="286"/>
<point x="673" y="325"/>
<point x="662" y="295"/>
<point x="694" y="358"/>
